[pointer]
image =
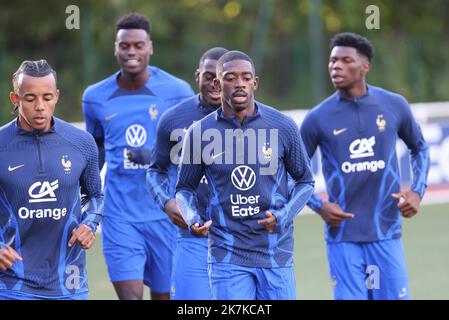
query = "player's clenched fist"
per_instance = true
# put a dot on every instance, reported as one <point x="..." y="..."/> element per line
<point x="7" y="258"/>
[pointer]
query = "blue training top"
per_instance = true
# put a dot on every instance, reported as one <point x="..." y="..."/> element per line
<point x="246" y="166"/>
<point x="41" y="174"/>
<point x="127" y="119"/>
<point x="357" y="138"/>
<point x="170" y="133"/>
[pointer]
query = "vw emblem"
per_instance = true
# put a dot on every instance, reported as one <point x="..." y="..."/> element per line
<point x="243" y="178"/>
<point x="136" y="136"/>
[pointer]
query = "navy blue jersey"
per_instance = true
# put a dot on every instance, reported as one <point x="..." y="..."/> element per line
<point x="357" y="138"/>
<point x="41" y="178"/>
<point x="127" y="119"/>
<point x="170" y="133"/>
<point x="246" y="166"/>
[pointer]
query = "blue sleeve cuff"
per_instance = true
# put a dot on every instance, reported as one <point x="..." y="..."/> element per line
<point x="315" y="203"/>
<point x="420" y="190"/>
<point x="280" y="225"/>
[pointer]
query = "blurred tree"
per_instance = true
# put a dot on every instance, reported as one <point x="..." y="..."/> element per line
<point x="411" y="44"/>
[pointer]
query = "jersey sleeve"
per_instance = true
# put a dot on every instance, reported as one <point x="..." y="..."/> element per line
<point x="157" y="178"/>
<point x="184" y="91"/>
<point x="297" y="164"/>
<point x="93" y="126"/>
<point x="90" y="183"/>
<point x="310" y="136"/>
<point x="410" y="132"/>
<point x="190" y="172"/>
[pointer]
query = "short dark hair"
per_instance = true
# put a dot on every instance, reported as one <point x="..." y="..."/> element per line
<point x="213" y="54"/>
<point x="39" y="68"/>
<point x="233" y="55"/>
<point x="134" y="20"/>
<point x="353" y="40"/>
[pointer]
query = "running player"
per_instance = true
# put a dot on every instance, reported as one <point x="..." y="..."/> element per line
<point x="45" y="226"/>
<point x="356" y="129"/>
<point x="246" y="150"/>
<point x="190" y="262"/>
<point x="122" y="113"/>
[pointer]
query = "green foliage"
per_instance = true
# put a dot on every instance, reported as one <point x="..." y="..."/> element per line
<point x="411" y="45"/>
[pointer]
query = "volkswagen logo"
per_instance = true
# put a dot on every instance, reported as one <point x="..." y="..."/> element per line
<point x="136" y="136"/>
<point x="243" y="178"/>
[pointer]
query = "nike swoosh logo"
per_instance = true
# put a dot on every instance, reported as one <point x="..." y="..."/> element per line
<point x="402" y="294"/>
<point x="337" y="132"/>
<point x="216" y="155"/>
<point x="14" y="168"/>
<point x="107" y="118"/>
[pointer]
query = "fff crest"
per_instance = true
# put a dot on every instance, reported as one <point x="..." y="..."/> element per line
<point x="66" y="164"/>
<point x="153" y="111"/>
<point x="267" y="151"/>
<point x="381" y="123"/>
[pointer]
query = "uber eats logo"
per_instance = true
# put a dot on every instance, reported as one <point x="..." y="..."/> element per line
<point x="42" y="191"/>
<point x="362" y="148"/>
<point x="244" y="178"/>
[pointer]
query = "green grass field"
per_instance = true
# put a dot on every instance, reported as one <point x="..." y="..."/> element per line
<point x="426" y="242"/>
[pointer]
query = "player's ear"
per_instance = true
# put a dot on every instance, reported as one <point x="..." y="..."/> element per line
<point x="151" y="47"/>
<point x="197" y="76"/>
<point x="365" y="66"/>
<point x="256" y="82"/>
<point x="14" y="98"/>
<point x="115" y="48"/>
<point x="57" y="95"/>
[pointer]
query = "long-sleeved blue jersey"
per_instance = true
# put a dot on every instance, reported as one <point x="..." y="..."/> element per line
<point x="357" y="138"/>
<point x="246" y="166"/>
<point x="127" y="119"/>
<point x="161" y="176"/>
<point x="40" y="179"/>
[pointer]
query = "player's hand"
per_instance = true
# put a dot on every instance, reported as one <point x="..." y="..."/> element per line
<point x="139" y="155"/>
<point x="333" y="215"/>
<point x="269" y="222"/>
<point x="171" y="209"/>
<point x="7" y="258"/>
<point x="128" y="154"/>
<point x="82" y="235"/>
<point x="409" y="202"/>
<point x="203" y="230"/>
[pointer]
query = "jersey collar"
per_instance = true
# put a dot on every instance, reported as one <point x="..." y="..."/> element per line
<point x="233" y="119"/>
<point x="358" y="98"/>
<point x="205" y="109"/>
<point x="54" y="125"/>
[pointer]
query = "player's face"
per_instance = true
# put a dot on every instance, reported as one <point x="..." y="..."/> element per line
<point x="347" y="67"/>
<point x="133" y="49"/>
<point x="238" y="83"/>
<point x="205" y="76"/>
<point x="36" y="100"/>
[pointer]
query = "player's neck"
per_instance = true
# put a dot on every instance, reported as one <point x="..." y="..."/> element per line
<point x="357" y="90"/>
<point x="240" y="115"/>
<point x="133" y="81"/>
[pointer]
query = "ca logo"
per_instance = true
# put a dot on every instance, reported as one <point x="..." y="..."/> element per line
<point x="243" y="178"/>
<point x="136" y="136"/>
<point x="362" y="148"/>
<point x="46" y="192"/>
